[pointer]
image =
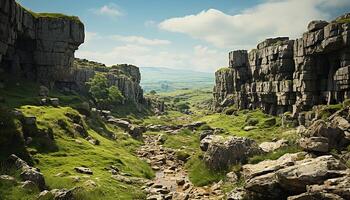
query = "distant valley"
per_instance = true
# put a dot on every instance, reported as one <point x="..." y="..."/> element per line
<point x="166" y="79"/>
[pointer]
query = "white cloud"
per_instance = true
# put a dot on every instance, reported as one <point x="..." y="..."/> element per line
<point x="111" y="10"/>
<point x="199" y="58"/>
<point x="140" y="40"/>
<point x="270" y="19"/>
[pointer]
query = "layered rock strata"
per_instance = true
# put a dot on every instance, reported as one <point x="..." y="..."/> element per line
<point x="126" y="77"/>
<point x="38" y="46"/>
<point x="290" y="75"/>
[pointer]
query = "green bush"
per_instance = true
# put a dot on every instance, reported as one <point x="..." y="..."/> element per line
<point x="104" y="95"/>
<point x="181" y="106"/>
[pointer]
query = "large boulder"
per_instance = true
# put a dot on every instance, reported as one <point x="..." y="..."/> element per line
<point x="222" y="153"/>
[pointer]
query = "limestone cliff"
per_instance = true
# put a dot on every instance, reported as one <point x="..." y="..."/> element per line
<point x="40" y="47"/>
<point x="290" y="75"/>
<point x="125" y="77"/>
<point x="37" y="46"/>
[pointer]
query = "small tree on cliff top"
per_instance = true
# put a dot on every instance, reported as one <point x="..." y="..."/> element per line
<point x="103" y="95"/>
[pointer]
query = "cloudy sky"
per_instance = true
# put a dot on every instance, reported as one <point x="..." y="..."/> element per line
<point x="184" y="34"/>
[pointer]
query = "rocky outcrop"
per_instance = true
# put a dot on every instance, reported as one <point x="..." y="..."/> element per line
<point x="126" y="77"/>
<point x="38" y="46"/>
<point x="296" y="176"/>
<point x="290" y="75"/>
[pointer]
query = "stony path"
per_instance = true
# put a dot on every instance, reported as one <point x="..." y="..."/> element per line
<point x="171" y="181"/>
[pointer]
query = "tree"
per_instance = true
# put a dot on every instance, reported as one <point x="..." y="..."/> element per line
<point x="152" y="92"/>
<point x="103" y="95"/>
<point x="114" y="95"/>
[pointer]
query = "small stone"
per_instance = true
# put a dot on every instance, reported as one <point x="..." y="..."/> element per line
<point x="55" y="102"/>
<point x="83" y="170"/>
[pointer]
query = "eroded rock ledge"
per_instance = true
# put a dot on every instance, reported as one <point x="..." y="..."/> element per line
<point x="289" y="75"/>
<point x="38" y="46"/>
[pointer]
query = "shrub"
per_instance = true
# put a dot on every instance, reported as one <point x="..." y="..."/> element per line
<point x="103" y="95"/>
<point x="152" y="92"/>
<point x="182" y="106"/>
<point x="114" y="95"/>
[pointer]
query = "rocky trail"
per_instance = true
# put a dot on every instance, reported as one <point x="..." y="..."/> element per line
<point x="171" y="181"/>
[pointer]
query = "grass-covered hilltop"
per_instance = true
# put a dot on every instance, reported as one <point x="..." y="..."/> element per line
<point x="74" y="129"/>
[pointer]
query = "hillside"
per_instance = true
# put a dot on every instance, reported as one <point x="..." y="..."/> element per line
<point x="166" y="79"/>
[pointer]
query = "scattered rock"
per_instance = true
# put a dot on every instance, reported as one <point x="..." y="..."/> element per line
<point x="231" y="177"/>
<point x="314" y="144"/>
<point x="83" y="170"/>
<point x="55" y="102"/>
<point x="29" y="173"/>
<point x="249" y="128"/>
<point x="29" y="185"/>
<point x="272" y="146"/>
<point x="6" y="179"/>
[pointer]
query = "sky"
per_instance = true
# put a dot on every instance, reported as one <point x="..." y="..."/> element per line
<point x="185" y="34"/>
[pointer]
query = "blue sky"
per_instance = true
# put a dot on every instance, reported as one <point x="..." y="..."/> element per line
<point x="184" y="34"/>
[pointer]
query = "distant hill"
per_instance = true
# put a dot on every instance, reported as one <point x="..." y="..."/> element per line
<point x="166" y="79"/>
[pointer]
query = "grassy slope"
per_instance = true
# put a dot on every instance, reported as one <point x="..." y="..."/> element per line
<point x="70" y="154"/>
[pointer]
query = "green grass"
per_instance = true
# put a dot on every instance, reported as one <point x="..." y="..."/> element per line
<point x="234" y="125"/>
<point x="200" y="174"/>
<point x="275" y="154"/>
<point x="185" y="140"/>
<point x="346" y="20"/>
<point x="224" y="69"/>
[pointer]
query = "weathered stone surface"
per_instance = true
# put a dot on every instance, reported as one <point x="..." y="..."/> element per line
<point x="314" y="144"/>
<point x="40" y="48"/>
<point x="289" y="75"/>
<point x="296" y="176"/>
<point x="222" y="153"/>
<point x="272" y="146"/>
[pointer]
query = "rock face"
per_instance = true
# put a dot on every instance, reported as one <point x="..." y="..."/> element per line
<point x="290" y="75"/>
<point x="38" y="46"/>
<point x="222" y="153"/>
<point x="126" y="77"/>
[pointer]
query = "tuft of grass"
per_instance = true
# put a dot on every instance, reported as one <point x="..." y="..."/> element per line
<point x="200" y="174"/>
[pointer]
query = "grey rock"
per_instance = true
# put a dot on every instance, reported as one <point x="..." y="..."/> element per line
<point x="83" y="170"/>
<point x="223" y="153"/>
<point x="314" y="144"/>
